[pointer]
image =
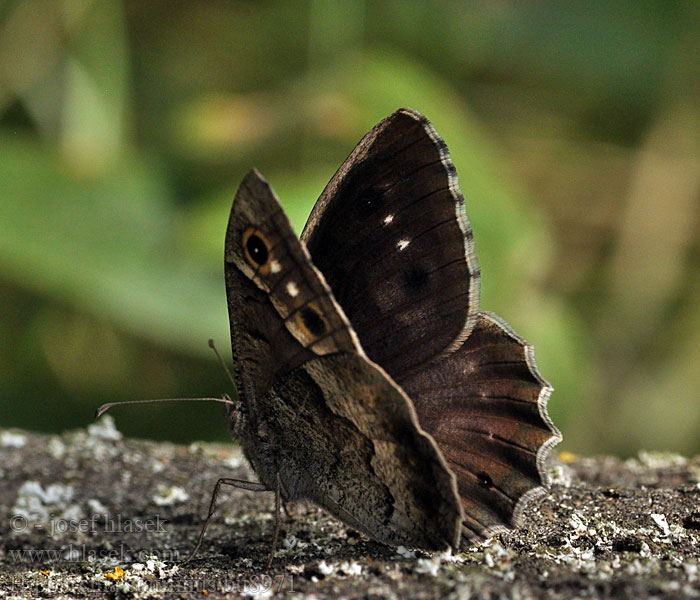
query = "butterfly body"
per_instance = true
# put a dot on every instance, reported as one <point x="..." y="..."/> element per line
<point x="368" y="381"/>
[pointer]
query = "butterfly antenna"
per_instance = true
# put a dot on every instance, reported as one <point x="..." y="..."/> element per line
<point x="225" y="400"/>
<point x="222" y="363"/>
<point x="105" y="407"/>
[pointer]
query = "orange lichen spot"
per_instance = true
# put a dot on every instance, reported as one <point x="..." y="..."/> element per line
<point x="117" y="575"/>
<point x="205" y="592"/>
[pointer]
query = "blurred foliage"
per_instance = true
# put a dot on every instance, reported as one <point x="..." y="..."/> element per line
<point x="125" y="128"/>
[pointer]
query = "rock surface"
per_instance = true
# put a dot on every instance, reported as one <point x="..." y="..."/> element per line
<point x="88" y="514"/>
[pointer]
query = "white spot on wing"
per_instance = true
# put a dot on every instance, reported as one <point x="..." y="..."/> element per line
<point x="292" y="289"/>
<point x="402" y="244"/>
<point x="275" y="267"/>
<point x="388" y="219"/>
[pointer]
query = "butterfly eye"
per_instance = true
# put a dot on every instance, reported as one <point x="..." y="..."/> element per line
<point x="257" y="250"/>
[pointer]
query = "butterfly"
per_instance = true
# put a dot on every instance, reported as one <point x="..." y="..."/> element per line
<point x="369" y="381"/>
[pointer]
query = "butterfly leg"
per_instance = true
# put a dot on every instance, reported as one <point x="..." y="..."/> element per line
<point x="278" y="519"/>
<point x="252" y="486"/>
<point x="285" y="510"/>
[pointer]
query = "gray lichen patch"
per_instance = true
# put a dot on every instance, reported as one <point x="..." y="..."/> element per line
<point x="110" y="516"/>
<point x="34" y="504"/>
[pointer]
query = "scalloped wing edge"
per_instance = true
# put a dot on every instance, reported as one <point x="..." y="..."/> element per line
<point x="546" y="390"/>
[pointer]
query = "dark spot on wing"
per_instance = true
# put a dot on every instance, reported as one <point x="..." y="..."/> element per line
<point x="257" y="250"/>
<point x="485" y="480"/>
<point x="313" y="322"/>
<point x="416" y="277"/>
<point x="370" y="201"/>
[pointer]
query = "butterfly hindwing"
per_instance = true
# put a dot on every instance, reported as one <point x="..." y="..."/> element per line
<point x="485" y="406"/>
<point x="352" y="446"/>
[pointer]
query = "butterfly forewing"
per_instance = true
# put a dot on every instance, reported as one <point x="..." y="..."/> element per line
<point x="391" y="237"/>
<point x="261" y="244"/>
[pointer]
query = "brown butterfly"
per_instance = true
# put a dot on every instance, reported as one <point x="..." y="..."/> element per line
<point x="368" y="380"/>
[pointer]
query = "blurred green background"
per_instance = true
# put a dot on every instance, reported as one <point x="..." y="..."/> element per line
<point x="125" y="128"/>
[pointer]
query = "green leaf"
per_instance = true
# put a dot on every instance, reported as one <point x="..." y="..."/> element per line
<point x="104" y="244"/>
